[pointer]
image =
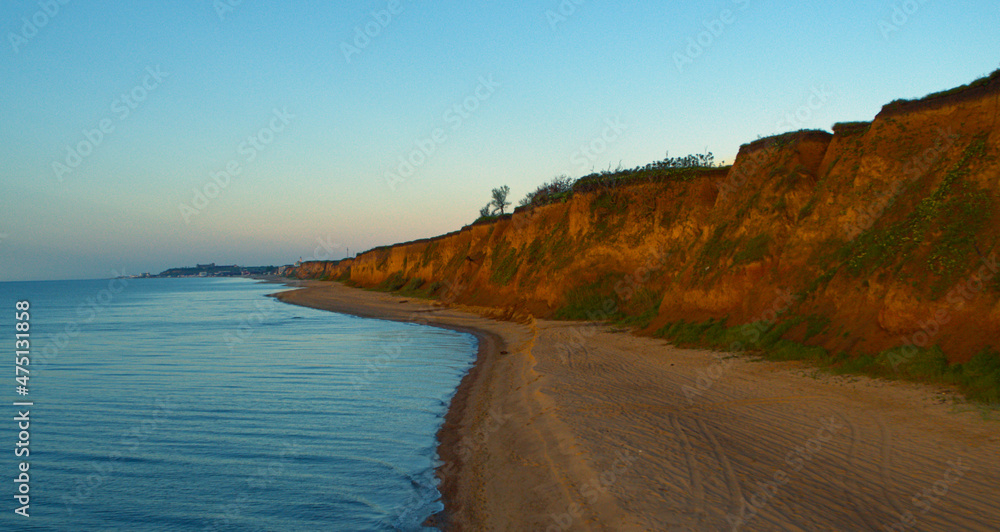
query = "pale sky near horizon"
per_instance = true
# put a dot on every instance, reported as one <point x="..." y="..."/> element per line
<point x="116" y="113"/>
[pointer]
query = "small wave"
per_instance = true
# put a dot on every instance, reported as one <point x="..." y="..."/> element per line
<point x="423" y="501"/>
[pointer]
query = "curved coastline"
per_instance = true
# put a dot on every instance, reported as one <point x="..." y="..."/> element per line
<point x="458" y="418"/>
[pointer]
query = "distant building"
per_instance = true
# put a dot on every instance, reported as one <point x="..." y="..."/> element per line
<point x="203" y="266"/>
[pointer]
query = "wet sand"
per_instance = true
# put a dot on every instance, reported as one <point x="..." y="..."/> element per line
<point x="579" y="426"/>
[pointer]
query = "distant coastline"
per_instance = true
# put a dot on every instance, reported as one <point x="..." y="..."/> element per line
<point x="212" y="270"/>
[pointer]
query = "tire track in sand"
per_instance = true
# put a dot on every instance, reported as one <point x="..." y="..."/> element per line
<point x="853" y="466"/>
<point x="732" y="483"/>
<point x="886" y="463"/>
<point x="696" y="485"/>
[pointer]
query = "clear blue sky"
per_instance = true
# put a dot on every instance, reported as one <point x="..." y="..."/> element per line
<point x="336" y="120"/>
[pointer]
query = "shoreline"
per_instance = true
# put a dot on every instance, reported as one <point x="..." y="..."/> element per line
<point x="451" y="434"/>
<point x="579" y="426"/>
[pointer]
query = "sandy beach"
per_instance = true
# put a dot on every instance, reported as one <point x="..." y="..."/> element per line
<point x="579" y="426"/>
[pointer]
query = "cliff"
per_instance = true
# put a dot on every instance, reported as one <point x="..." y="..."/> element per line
<point x="327" y="270"/>
<point x="875" y="246"/>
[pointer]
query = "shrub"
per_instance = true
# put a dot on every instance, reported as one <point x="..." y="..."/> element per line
<point x="980" y="376"/>
<point x="393" y="283"/>
<point x="413" y="285"/>
<point x="558" y="189"/>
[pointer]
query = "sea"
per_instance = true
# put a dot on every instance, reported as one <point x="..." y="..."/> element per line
<point x="203" y="404"/>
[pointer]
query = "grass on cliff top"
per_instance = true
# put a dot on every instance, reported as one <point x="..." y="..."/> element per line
<point x="980" y="82"/>
<point x="609" y="210"/>
<point x="978" y="379"/>
<point x="562" y="188"/>
<point x="647" y="174"/>
<point x="781" y="140"/>
<point x="851" y="128"/>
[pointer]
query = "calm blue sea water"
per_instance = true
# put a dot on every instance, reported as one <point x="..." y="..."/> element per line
<point x="200" y="404"/>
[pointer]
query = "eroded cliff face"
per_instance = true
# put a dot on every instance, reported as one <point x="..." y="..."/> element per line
<point x="881" y="234"/>
<point x="331" y="270"/>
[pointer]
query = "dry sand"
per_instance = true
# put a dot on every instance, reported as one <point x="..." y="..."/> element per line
<point x="576" y="426"/>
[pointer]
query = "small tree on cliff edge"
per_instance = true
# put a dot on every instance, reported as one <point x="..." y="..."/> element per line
<point x="500" y="202"/>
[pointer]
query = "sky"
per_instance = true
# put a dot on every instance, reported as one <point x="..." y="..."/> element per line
<point x="138" y="136"/>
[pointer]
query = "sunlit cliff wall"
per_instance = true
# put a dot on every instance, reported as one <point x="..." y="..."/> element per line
<point x="881" y="234"/>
